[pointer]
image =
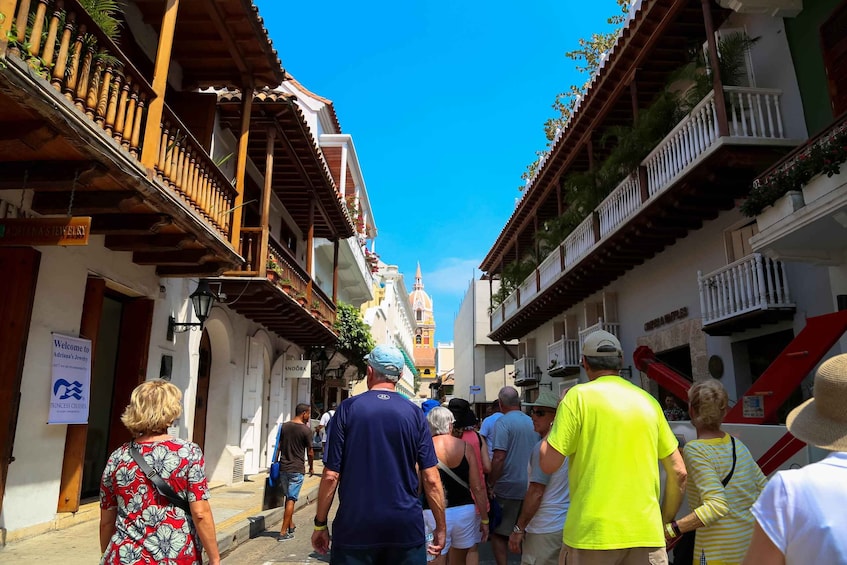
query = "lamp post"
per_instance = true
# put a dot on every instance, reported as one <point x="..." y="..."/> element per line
<point x="202" y="300"/>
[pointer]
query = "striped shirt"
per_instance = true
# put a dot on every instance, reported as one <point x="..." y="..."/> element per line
<point x="725" y="511"/>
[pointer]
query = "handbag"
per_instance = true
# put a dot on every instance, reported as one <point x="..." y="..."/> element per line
<point x="160" y="484"/>
<point x="273" y="471"/>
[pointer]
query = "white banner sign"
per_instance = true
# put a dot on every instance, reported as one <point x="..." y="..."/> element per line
<point x="70" y="387"/>
<point x="297" y="369"/>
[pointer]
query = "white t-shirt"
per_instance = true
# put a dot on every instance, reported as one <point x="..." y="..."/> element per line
<point x="324" y="422"/>
<point x="803" y="512"/>
<point x="551" y="513"/>
<point x="486" y="430"/>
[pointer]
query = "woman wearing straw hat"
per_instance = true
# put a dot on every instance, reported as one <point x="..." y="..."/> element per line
<point x="801" y="516"/>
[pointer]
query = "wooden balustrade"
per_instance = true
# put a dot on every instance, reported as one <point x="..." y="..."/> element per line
<point x="185" y="167"/>
<point x="579" y="241"/>
<point x="754" y="112"/>
<point x="563" y="353"/>
<point x="754" y="282"/>
<point x="620" y="204"/>
<point x="612" y="328"/>
<point x="66" y="47"/>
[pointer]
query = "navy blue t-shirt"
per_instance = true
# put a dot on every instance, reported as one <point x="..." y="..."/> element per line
<point x="375" y="440"/>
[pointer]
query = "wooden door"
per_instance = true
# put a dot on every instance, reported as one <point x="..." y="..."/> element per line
<point x="276" y="399"/>
<point x="251" y="407"/>
<point x="201" y="402"/>
<point x="17" y="286"/>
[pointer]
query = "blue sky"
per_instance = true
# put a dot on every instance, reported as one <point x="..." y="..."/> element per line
<point x="446" y="102"/>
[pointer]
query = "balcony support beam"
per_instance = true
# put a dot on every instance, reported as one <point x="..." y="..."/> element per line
<point x="266" y="202"/>
<point x="156" y="107"/>
<point x="310" y="247"/>
<point x="241" y="163"/>
<point x="714" y="63"/>
<point x="335" y="272"/>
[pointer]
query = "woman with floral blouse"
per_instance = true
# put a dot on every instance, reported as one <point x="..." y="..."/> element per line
<point x="137" y="524"/>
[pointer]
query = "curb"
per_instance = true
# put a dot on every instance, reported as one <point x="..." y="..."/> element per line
<point x="252" y="526"/>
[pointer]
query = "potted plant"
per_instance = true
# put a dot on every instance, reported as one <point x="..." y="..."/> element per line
<point x="301" y="298"/>
<point x="316" y="309"/>
<point x="286" y="285"/>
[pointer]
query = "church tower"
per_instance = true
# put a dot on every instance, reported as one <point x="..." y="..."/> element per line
<point x="424" y="334"/>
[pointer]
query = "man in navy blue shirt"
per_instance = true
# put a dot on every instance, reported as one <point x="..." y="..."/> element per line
<point x="377" y="442"/>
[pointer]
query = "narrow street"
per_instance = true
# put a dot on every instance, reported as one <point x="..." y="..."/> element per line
<point x="265" y="550"/>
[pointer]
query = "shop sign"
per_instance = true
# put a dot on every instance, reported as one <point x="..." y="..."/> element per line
<point x="297" y="369"/>
<point x="45" y="231"/>
<point x="754" y="406"/>
<point x="672" y="316"/>
<point x="476" y="389"/>
<point x="70" y="387"/>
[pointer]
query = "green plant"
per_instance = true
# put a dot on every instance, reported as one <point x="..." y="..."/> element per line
<point x="354" y="337"/>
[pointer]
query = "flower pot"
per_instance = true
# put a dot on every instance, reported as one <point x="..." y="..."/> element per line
<point x="272" y="276"/>
<point x="782" y="208"/>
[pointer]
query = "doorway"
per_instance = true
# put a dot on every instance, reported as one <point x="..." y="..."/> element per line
<point x="201" y="403"/>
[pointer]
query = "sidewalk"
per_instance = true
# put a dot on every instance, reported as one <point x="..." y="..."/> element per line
<point x="238" y="517"/>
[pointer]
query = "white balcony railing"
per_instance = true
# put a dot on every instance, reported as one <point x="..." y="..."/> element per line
<point x="525" y="370"/>
<point x="359" y="257"/>
<point x="563" y="353"/>
<point x="612" y="328"/>
<point x="754" y="282"/>
<point x="753" y="115"/>
<point x="620" y="204"/>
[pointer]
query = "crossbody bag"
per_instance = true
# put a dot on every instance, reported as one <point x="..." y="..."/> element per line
<point x="160" y="484"/>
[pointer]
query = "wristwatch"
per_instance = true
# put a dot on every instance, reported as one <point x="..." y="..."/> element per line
<point x="517" y="529"/>
<point x="318" y="523"/>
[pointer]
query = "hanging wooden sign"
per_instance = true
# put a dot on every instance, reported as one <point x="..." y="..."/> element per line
<point x="71" y="230"/>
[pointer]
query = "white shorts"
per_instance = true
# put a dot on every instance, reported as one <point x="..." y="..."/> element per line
<point x="462" y="527"/>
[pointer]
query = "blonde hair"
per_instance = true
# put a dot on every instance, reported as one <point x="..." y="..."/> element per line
<point x="709" y="401"/>
<point x="153" y="406"/>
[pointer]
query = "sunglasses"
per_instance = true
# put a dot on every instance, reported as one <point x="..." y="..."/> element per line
<point x="539" y="413"/>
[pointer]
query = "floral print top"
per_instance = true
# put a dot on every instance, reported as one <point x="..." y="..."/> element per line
<point x="149" y="529"/>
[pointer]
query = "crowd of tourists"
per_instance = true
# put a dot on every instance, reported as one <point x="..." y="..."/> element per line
<point x="576" y="481"/>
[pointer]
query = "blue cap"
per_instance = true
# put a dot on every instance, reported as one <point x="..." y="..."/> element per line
<point x="386" y="359"/>
<point x="429" y="405"/>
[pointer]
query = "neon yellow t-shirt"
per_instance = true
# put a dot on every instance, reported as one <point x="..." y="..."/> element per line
<point x="614" y="434"/>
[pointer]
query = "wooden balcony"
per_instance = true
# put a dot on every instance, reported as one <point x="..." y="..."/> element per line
<point x="75" y="111"/>
<point x="283" y="298"/>
<point x="745" y="294"/>
<point x="563" y="357"/>
<point x="690" y="177"/>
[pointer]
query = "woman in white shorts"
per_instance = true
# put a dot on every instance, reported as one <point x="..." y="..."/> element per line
<point x="464" y="492"/>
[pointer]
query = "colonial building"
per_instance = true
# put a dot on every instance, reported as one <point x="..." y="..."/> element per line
<point x="424" y="334"/>
<point x="657" y="244"/>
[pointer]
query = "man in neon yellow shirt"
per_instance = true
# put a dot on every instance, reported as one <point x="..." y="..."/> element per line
<point x="613" y="433"/>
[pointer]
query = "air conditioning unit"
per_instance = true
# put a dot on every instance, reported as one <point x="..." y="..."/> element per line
<point x="231" y="467"/>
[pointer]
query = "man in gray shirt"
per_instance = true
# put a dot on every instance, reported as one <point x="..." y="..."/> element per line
<point x="514" y="438"/>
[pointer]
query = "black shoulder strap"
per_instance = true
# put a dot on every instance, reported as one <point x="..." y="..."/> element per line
<point x="160" y="484"/>
<point x="726" y="479"/>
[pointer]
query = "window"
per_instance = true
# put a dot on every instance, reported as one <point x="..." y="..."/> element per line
<point x="418" y="315"/>
<point x="417" y="340"/>
<point x="427" y="372"/>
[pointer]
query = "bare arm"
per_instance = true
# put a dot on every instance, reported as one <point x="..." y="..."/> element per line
<point x="531" y="503"/>
<point x="550" y="459"/>
<point x="483" y="455"/>
<point x="497" y="466"/>
<point x="762" y="550"/>
<point x="326" y="493"/>
<point x="311" y="455"/>
<point x="674" y="485"/>
<point x="107" y="526"/>
<point x="480" y="495"/>
<point x="434" y="493"/>
<point x="201" y="513"/>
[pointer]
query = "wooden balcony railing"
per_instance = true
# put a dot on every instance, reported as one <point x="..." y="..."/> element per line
<point x="284" y="270"/>
<point x="563" y="353"/>
<point x="622" y="203"/>
<point x="65" y="47"/>
<point x="525" y="371"/>
<point x="612" y="328"/>
<point x="754" y="282"/>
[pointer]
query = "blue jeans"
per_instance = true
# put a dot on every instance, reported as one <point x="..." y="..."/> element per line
<point x="290" y="484"/>
<point x="379" y="556"/>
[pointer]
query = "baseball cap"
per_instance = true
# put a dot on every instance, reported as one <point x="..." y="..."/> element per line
<point x="386" y="359"/>
<point x="602" y="344"/>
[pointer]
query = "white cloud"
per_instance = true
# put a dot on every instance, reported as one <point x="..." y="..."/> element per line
<point x="452" y="276"/>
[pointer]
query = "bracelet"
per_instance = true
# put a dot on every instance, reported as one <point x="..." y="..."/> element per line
<point x="320" y="528"/>
<point x="485" y="522"/>
<point x="669" y="531"/>
<point x="676" y="529"/>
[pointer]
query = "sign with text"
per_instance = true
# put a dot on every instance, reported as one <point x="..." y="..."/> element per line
<point x="70" y="387"/>
<point x="753" y="407"/>
<point x="476" y="389"/>
<point x="45" y="231"/>
<point x="297" y="369"/>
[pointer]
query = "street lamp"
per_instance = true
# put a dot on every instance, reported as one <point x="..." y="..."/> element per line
<point x="202" y="300"/>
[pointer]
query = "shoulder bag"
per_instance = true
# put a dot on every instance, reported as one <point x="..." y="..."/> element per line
<point x="273" y="471"/>
<point x="160" y="484"/>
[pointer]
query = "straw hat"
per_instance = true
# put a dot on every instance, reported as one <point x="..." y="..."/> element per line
<point x="822" y="421"/>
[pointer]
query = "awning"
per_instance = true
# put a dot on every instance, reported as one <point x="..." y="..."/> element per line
<point x="409" y="363"/>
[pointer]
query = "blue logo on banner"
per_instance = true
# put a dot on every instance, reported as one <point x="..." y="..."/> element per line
<point x="71" y="390"/>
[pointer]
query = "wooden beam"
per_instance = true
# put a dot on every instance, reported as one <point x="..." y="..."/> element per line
<point x="159" y="242"/>
<point x="241" y="165"/>
<point x="126" y="224"/>
<point x="49" y="175"/>
<point x="85" y="202"/>
<point x="210" y="269"/>
<point x="156" y="106"/>
<point x="310" y="249"/>
<point x="182" y="257"/>
<point x="266" y="200"/>
<point x="225" y="31"/>
<point x="714" y="63"/>
<point x="335" y="271"/>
